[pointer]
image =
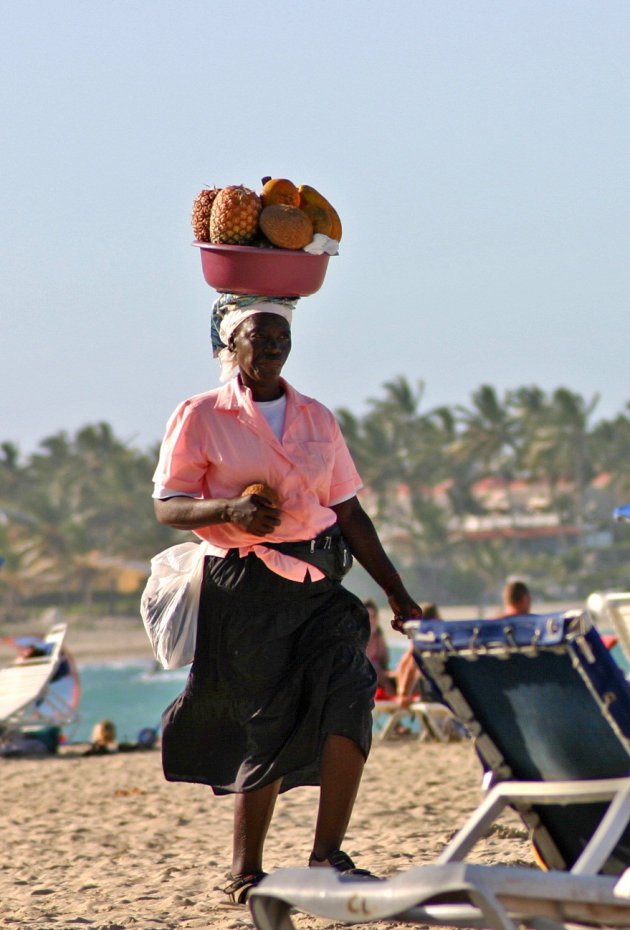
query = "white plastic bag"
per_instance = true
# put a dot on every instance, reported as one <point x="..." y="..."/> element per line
<point x="170" y="603"/>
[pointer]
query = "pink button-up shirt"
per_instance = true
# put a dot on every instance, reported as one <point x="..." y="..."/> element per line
<point x="219" y="442"/>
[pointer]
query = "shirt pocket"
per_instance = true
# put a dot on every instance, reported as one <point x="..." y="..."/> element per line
<point x="316" y="462"/>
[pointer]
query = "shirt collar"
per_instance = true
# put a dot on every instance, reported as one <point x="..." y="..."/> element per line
<point x="233" y="395"/>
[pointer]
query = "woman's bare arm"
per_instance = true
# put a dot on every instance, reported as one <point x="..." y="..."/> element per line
<point x="360" y="534"/>
<point x="251" y="513"/>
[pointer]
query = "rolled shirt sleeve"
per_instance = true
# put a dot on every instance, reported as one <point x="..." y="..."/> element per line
<point x="183" y="460"/>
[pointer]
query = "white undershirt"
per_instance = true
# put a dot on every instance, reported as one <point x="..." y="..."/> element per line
<point x="273" y="412"/>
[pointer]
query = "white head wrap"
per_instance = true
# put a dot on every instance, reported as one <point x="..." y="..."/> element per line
<point x="229" y="311"/>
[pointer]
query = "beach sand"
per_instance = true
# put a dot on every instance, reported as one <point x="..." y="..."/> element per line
<point x="103" y="842"/>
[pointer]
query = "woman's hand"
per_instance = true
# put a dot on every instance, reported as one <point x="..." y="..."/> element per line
<point x="366" y="547"/>
<point x="254" y="514"/>
<point x="404" y="608"/>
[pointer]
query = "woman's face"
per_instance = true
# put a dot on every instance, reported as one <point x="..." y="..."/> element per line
<point x="262" y="344"/>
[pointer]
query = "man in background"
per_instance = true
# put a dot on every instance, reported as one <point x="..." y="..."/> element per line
<point x="517" y="599"/>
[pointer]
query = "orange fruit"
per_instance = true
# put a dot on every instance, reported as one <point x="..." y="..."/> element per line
<point x="279" y="190"/>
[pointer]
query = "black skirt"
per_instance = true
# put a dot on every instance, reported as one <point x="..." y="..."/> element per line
<point x="279" y="665"/>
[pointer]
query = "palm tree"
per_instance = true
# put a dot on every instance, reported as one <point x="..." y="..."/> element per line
<point x="399" y="453"/>
<point x="75" y="501"/>
<point x="609" y="449"/>
<point x="529" y="406"/>
<point x="490" y="433"/>
<point x="489" y="438"/>
<point x="563" y="447"/>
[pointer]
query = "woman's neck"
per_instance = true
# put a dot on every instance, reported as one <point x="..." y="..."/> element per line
<point x="263" y="392"/>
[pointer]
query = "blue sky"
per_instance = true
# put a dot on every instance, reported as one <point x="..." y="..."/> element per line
<point x="477" y="153"/>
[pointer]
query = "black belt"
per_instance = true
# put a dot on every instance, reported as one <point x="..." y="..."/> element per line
<point x="327" y="551"/>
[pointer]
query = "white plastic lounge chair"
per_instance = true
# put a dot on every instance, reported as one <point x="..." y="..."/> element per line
<point x="550" y="713"/>
<point x="615" y="610"/>
<point x="434" y="720"/>
<point x="27" y="697"/>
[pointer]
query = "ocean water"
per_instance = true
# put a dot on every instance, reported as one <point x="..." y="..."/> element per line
<point x="132" y="695"/>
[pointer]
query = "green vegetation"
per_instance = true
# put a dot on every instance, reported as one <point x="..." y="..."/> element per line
<point x="465" y="496"/>
<point x="77" y="522"/>
<point x="521" y="484"/>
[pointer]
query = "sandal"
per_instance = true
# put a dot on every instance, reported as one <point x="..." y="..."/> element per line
<point x="340" y="862"/>
<point x="240" y="886"/>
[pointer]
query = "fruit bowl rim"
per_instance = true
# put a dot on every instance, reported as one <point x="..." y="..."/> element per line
<point x="259" y="250"/>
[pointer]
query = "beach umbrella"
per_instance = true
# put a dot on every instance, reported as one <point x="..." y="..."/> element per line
<point x="622" y="513"/>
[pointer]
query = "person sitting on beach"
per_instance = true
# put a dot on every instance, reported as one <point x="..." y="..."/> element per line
<point x="28" y="647"/>
<point x="30" y="652"/>
<point x="34" y="647"/>
<point x="103" y="739"/>
<point x="378" y="654"/>
<point x="517" y="600"/>
<point x="410" y="684"/>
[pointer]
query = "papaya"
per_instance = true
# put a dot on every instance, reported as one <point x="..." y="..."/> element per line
<point x="279" y="190"/>
<point x="336" y="230"/>
<point x="312" y="197"/>
<point x="320" y="217"/>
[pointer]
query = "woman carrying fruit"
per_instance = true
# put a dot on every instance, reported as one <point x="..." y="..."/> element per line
<point x="280" y="692"/>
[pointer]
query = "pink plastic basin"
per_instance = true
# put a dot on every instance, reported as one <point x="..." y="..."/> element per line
<point x="244" y="269"/>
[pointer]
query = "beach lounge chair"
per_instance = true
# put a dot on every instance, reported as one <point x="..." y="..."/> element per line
<point x="433" y="720"/>
<point x="611" y="610"/>
<point x="27" y="695"/>
<point x="549" y="710"/>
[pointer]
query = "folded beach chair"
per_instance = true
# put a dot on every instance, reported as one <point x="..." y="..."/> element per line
<point x="549" y="710"/>
<point x="27" y="697"/>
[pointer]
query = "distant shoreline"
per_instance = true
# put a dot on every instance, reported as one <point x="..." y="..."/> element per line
<point x="112" y="638"/>
<point x="120" y="638"/>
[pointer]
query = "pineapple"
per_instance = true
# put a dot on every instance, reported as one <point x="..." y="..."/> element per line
<point x="202" y="205"/>
<point x="234" y="215"/>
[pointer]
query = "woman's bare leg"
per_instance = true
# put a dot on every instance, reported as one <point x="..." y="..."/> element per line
<point x="341" y="770"/>
<point x="252" y="815"/>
